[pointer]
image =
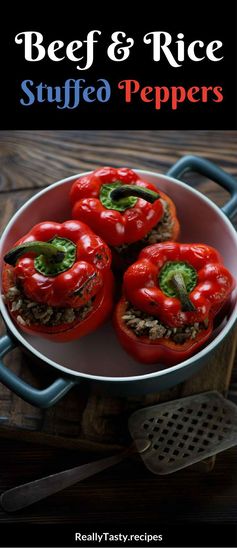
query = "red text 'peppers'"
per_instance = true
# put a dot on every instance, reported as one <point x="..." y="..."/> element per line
<point x="119" y="206"/>
<point x="57" y="280"/>
<point x="171" y="296"/>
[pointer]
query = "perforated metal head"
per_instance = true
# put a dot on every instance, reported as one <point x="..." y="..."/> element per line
<point x="184" y="431"/>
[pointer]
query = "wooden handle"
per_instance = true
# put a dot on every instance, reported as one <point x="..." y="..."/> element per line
<point x="29" y="493"/>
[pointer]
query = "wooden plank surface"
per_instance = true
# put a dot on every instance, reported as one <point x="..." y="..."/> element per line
<point x="35" y="159"/>
<point x="32" y="160"/>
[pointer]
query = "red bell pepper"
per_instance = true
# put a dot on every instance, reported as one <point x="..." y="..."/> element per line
<point x="177" y="290"/>
<point x="57" y="280"/>
<point x="120" y="206"/>
<point x="163" y="351"/>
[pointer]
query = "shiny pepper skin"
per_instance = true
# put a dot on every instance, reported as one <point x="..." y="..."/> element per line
<point x="88" y="278"/>
<point x="115" y="227"/>
<point x="214" y="282"/>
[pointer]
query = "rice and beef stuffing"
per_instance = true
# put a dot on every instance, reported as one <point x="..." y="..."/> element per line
<point x="33" y="313"/>
<point x="163" y="230"/>
<point x="144" y="325"/>
<point x="159" y="233"/>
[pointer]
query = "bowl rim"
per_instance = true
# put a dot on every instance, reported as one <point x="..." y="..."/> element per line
<point x="147" y="376"/>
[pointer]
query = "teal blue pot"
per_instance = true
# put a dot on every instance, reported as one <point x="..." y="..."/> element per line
<point x="98" y="357"/>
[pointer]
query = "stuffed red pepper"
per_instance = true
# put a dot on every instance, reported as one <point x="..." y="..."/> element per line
<point x="171" y="297"/>
<point x="57" y="281"/>
<point x="126" y="211"/>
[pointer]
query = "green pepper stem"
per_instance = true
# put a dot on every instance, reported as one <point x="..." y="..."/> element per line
<point x="179" y="284"/>
<point x="125" y="191"/>
<point x="47" y="249"/>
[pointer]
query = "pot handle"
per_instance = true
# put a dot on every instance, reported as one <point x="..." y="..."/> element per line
<point x="210" y="170"/>
<point x="40" y="398"/>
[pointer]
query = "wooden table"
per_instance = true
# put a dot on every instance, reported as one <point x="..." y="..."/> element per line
<point x="127" y="494"/>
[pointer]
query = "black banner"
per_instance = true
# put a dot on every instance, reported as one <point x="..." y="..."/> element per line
<point x="173" y="70"/>
<point x="172" y="535"/>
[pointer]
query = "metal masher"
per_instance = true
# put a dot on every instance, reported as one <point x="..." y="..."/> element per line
<point x="168" y="437"/>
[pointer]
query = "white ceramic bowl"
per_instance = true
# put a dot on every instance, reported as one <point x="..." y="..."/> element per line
<point x="98" y="356"/>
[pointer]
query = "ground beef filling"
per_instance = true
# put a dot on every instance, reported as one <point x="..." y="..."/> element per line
<point x="159" y="233"/>
<point x="144" y="325"/>
<point x="33" y="313"/>
<point x="163" y="230"/>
